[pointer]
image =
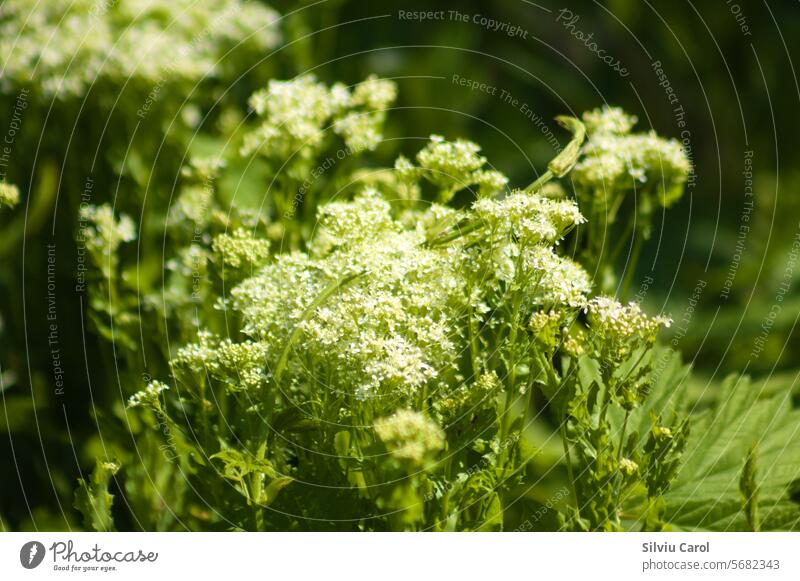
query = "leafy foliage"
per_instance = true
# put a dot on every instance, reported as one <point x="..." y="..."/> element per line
<point x="379" y="371"/>
<point x="741" y="466"/>
<point x="345" y="347"/>
<point x="94" y="501"/>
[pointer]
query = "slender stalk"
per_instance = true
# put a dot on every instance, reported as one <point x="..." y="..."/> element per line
<point x="631" y="267"/>
<point x="622" y="242"/>
<point x="463" y="231"/>
<point x="618" y="478"/>
<point x="542" y="180"/>
<point x="328" y="292"/>
<point x="568" y="459"/>
<point x="505" y="424"/>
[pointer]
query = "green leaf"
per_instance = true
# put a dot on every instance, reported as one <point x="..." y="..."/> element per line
<point x="93" y="500"/>
<point x="237" y="465"/>
<point x="749" y="490"/>
<point x="706" y="494"/>
<point x="274" y="487"/>
<point x="563" y="162"/>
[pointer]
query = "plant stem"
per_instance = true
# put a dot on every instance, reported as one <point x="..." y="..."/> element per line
<point x="631" y="267"/>
<point x="329" y="291"/>
<point x="568" y="459"/>
<point x="618" y="478"/>
<point x="542" y="180"/>
<point x="467" y="229"/>
<point x="505" y="424"/>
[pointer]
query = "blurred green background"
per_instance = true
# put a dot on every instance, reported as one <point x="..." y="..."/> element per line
<point x="718" y="75"/>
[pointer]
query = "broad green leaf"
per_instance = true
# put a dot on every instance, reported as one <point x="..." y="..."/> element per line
<point x="706" y="494"/>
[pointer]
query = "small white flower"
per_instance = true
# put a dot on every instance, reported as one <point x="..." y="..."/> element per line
<point x="149" y="396"/>
<point x="410" y="436"/>
<point x="9" y="195"/>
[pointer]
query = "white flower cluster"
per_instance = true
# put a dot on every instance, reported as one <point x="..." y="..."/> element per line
<point x="531" y="218"/>
<point x="628" y="467"/>
<point x="240" y="366"/>
<point x="353" y="222"/>
<point x="103" y="233"/>
<point x="547" y="327"/>
<point x="390" y="331"/>
<point x="609" y="121"/>
<point x="66" y="46"/>
<point x="148" y="396"/>
<point x="546" y="279"/>
<point x="619" y="327"/>
<point x="375" y="310"/>
<point x="617" y="160"/>
<point x="452" y="166"/>
<point x="411" y="437"/>
<point x="241" y="249"/>
<point x="297" y="115"/>
<point x="555" y="280"/>
<point x="9" y="195"/>
<point x="191" y="208"/>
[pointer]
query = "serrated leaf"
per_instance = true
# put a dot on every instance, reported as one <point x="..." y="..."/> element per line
<point x="93" y="500"/>
<point x="706" y="494"/>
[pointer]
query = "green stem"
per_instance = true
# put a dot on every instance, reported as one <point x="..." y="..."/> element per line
<point x="467" y="229"/>
<point x="618" y="478"/>
<point x="542" y="180"/>
<point x="327" y="293"/>
<point x="505" y="424"/>
<point x="568" y="459"/>
<point x="624" y="239"/>
<point x="631" y="267"/>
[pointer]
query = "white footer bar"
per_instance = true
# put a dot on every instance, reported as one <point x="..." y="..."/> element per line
<point x="389" y="556"/>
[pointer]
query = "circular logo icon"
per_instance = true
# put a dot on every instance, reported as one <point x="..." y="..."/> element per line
<point x="31" y="554"/>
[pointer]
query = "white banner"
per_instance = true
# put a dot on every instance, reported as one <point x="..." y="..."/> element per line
<point x="388" y="556"/>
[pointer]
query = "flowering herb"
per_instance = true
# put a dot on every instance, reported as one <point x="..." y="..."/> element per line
<point x="389" y="366"/>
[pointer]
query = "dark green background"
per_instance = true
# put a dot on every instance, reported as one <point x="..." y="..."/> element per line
<point x="739" y="92"/>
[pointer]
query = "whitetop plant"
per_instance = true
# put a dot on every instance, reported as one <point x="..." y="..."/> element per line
<point x="452" y="166"/>
<point x="410" y="437"/>
<point x="149" y="396"/>
<point x="64" y="47"/>
<point x="298" y="115"/>
<point x="620" y="169"/>
<point x="385" y="367"/>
